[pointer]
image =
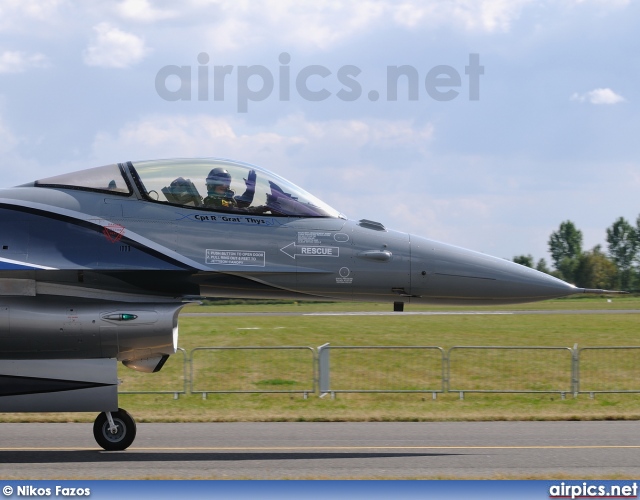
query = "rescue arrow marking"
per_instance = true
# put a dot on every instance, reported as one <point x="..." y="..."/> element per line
<point x="293" y="250"/>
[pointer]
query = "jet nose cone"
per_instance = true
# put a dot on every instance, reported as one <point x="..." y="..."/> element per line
<point x="446" y="273"/>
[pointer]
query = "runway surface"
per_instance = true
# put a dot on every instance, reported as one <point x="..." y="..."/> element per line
<point x="495" y="450"/>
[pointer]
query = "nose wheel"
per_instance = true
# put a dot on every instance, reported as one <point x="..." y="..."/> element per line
<point x="114" y="431"/>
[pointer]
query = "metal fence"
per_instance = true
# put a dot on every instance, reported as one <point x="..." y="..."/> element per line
<point x="402" y="369"/>
<point x="511" y="369"/>
<point x="398" y="369"/>
<point x="286" y="369"/>
<point x="608" y="369"/>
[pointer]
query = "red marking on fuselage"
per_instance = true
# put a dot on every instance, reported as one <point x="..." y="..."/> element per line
<point x="114" y="232"/>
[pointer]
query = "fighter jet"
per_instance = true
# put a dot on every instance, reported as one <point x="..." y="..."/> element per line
<point x="95" y="266"/>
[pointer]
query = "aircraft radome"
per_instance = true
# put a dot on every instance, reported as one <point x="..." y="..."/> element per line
<point x="96" y="264"/>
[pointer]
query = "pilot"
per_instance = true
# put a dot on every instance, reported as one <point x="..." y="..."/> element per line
<point x="221" y="196"/>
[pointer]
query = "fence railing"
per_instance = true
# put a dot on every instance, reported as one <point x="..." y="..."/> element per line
<point x="511" y="369"/>
<point x="398" y="369"/>
<point x="402" y="369"/>
<point x="288" y="369"/>
<point x="608" y="369"/>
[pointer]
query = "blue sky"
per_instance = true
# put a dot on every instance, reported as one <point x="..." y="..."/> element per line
<point x="553" y="135"/>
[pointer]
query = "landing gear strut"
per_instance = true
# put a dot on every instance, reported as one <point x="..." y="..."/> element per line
<point x="114" y="431"/>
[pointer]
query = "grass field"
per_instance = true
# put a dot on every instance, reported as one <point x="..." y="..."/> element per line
<point x="558" y="330"/>
<point x="577" y="302"/>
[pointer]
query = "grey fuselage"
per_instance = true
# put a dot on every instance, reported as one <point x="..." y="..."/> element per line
<point x="61" y="240"/>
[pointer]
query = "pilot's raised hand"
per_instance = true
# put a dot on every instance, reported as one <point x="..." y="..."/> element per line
<point x="246" y="198"/>
<point x="250" y="181"/>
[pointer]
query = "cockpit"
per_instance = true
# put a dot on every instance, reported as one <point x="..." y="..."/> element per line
<point x="203" y="184"/>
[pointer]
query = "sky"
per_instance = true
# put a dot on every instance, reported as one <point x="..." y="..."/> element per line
<point x="484" y="123"/>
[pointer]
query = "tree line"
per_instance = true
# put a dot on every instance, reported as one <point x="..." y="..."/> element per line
<point x="616" y="268"/>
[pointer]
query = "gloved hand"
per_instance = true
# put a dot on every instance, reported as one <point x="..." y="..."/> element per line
<point x="250" y="181"/>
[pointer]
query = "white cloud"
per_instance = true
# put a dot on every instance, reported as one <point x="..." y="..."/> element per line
<point x="325" y="23"/>
<point x="20" y="13"/>
<point x="359" y="133"/>
<point x="114" y="48"/>
<point x="205" y="135"/>
<point x="164" y="136"/>
<point x="598" y="96"/>
<point x="611" y="4"/>
<point x="320" y="24"/>
<point x="472" y="15"/>
<point x="142" y="11"/>
<point x="38" y="9"/>
<point x="18" y="61"/>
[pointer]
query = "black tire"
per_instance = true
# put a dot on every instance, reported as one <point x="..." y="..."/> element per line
<point x="120" y="440"/>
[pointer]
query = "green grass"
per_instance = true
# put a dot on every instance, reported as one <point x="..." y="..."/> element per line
<point x="290" y="373"/>
<point x="576" y="302"/>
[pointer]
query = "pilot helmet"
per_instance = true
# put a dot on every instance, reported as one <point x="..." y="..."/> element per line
<point x="218" y="177"/>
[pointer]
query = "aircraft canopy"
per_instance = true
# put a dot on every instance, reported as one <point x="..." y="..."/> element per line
<point x="225" y="185"/>
<point x="204" y="184"/>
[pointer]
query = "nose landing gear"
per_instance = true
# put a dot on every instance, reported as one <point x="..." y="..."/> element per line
<point x="114" y="431"/>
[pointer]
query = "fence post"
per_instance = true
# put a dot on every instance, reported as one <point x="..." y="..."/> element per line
<point x="446" y="370"/>
<point x="191" y="370"/>
<point x="323" y="369"/>
<point x="575" y="382"/>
